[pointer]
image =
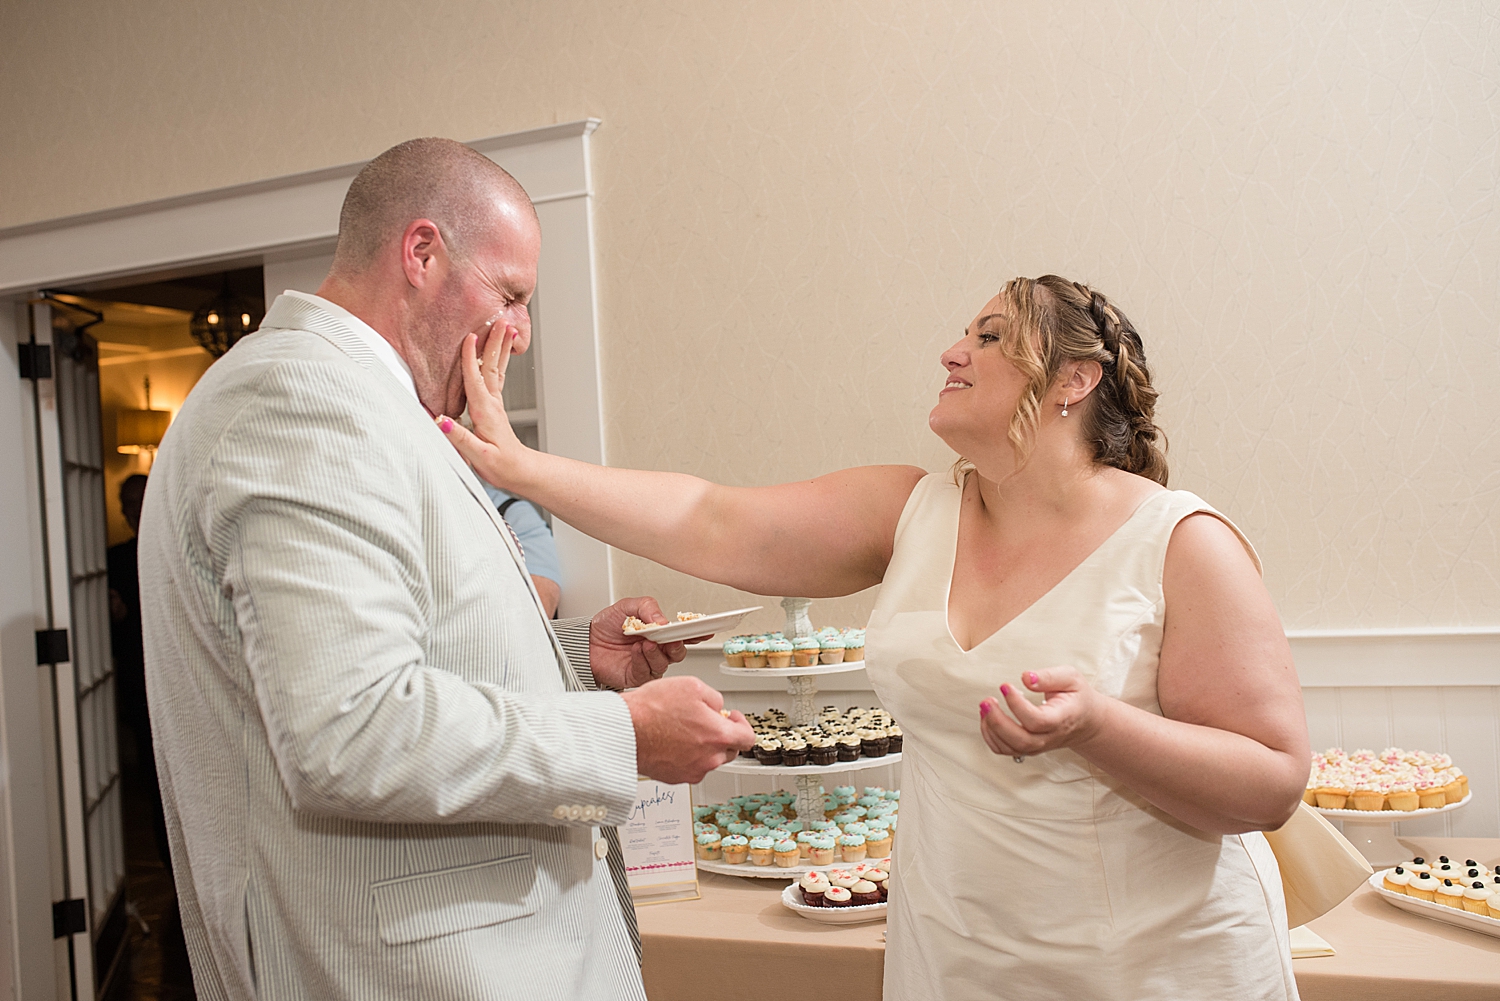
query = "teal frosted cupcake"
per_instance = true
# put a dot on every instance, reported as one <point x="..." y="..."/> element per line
<point x="735" y="848"/>
<point x="878" y="824"/>
<point x="822" y="850"/>
<point x="755" y="652"/>
<point x="703" y="812"/>
<point x="831" y="648"/>
<point x="710" y="847"/>
<point x="852" y="847"/>
<point x="779" y="653"/>
<point x="820" y="825"/>
<point x="894" y="795"/>
<point x="805" y="650"/>
<point x="739" y="827"/>
<point x="734" y="650"/>
<point x="804" y="841"/>
<point x="885" y="809"/>
<point x="858" y="827"/>
<point x="854" y="645"/>
<point x="785" y="853"/>
<point x="868" y="801"/>
<point x="795" y="826"/>
<point x="761" y="850"/>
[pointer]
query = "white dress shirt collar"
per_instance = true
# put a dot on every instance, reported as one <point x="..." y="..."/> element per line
<point x="382" y="347"/>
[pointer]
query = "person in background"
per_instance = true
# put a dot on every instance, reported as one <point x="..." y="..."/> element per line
<point x="130" y="659"/>
<point x="539" y="549"/>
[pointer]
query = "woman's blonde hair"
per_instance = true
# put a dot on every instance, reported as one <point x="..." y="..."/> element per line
<point x="1049" y="321"/>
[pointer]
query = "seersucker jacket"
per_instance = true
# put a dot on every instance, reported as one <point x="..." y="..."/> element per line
<point x="383" y="777"/>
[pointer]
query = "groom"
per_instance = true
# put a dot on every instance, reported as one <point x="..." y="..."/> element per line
<point x="385" y="776"/>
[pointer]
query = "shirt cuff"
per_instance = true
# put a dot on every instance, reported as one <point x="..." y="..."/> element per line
<point x="573" y="637"/>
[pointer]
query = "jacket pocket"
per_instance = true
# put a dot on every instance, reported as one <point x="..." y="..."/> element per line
<point x="431" y="904"/>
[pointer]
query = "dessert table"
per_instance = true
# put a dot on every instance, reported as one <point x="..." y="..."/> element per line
<point x="738" y="938"/>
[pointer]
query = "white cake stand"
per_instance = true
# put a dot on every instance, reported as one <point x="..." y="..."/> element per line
<point x="1373" y="832"/>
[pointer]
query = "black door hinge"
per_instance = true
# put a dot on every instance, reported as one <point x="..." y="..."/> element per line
<point x="51" y="646"/>
<point x="35" y="360"/>
<point x="69" y="917"/>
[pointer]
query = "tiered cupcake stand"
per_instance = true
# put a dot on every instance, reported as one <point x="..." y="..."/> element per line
<point x="1373" y="832"/>
<point x="802" y="686"/>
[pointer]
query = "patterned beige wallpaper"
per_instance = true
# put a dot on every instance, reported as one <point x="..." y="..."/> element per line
<point x="799" y="205"/>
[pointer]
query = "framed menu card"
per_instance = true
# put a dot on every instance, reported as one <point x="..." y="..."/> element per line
<point x="658" y="844"/>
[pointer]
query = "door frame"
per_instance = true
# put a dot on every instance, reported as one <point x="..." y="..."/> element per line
<point x="269" y="221"/>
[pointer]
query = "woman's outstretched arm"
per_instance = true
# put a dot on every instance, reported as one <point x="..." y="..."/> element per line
<point x="823" y="537"/>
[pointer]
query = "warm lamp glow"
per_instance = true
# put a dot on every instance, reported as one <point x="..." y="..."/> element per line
<point x="140" y="430"/>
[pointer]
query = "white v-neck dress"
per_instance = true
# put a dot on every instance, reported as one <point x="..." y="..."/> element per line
<point x="1048" y="878"/>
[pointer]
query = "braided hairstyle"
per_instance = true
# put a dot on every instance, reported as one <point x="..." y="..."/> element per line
<point x="1053" y="321"/>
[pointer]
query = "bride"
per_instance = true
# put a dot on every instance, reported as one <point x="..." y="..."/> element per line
<point x="1100" y="706"/>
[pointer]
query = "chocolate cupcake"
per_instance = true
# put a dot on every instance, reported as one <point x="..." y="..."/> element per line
<point x="836" y="896"/>
<point x="864" y="892"/>
<point x="768" y="751"/>
<point x="873" y="743"/>
<point x="849" y="747"/>
<point x="813" y="886"/>
<point x="794" y="751"/>
<point x="823" y="751"/>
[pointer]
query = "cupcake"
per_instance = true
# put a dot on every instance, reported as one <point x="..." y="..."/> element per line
<point x="794" y="827"/>
<point x="768" y="751"/>
<point x="734" y="651"/>
<point x="735" y="848"/>
<point x="885" y="886"/>
<point x="813" y="886"/>
<point x="1448" y="871"/>
<point x="758" y="831"/>
<point x="1422" y="886"/>
<point x="1403" y="798"/>
<point x="1396" y="880"/>
<point x="1429" y="797"/>
<point x="873" y="743"/>
<point x="831" y="649"/>
<point x="869" y="799"/>
<point x="1333" y="797"/>
<point x="1477" y="898"/>
<point x="1494" y="904"/>
<point x="709" y="847"/>
<point x="822" y="750"/>
<point x="805" y="650"/>
<point x="779" y="653"/>
<point x="852" y="847"/>
<point x="1367" y="799"/>
<point x="1450" y="894"/>
<point x="756" y="651"/>
<point x="857" y="827"/>
<point x="836" y="896"/>
<point x="761" y="850"/>
<point x="854" y="645"/>
<point x="878" y="844"/>
<point x="739" y="827"/>
<point x="895" y="737"/>
<point x="794" y="751"/>
<point x="703" y="812"/>
<point x="843" y="877"/>
<point x="846" y="818"/>
<point x="1418" y="864"/>
<point x="822" y="826"/>
<point x="821" y="849"/>
<point x="845" y="793"/>
<point x="849" y="745"/>
<point x="785" y="853"/>
<point x="804" y="842"/>
<point x="864" y="892"/>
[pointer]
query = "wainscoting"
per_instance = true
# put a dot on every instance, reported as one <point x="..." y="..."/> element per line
<point x="1433" y="690"/>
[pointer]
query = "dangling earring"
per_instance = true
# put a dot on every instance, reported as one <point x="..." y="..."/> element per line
<point x="1065" y="408"/>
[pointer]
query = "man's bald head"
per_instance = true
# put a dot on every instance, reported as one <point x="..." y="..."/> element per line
<point x="437" y="179"/>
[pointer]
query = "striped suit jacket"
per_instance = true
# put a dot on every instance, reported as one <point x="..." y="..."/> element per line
<point x="383" y="777"/>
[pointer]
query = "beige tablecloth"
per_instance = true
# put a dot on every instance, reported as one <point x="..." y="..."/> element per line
<point x="739" y="942"/>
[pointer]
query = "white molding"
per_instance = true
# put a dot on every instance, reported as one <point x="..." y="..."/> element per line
<point x="277" y="215"/>
<point x="1397" y="658"/>
<point x="1400" y="632"/>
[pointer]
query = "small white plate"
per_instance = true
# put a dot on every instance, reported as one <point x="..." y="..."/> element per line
<point x="1481" y="923"/>
<point x="791" y="899"/>
<point x="708" y="625"/>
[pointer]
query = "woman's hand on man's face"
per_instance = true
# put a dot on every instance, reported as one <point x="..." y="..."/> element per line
<point x="1068" y="717"/>
<point x="493" y="444"/>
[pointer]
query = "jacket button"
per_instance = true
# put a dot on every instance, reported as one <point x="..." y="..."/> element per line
<point x="601" y="848"/>
<point x="561" y="813"/>
<point x="575" y="812"/>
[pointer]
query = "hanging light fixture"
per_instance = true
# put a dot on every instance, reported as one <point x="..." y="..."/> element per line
<point x="138" y="431"/>
<point x="223" y="320"/>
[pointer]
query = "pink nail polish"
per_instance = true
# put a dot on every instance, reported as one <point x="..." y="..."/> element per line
<point x="1032" y="679"/>
<point x="984" y="708"/>
<point x="1004" y="689"/>
<point x="445" y="425"/>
